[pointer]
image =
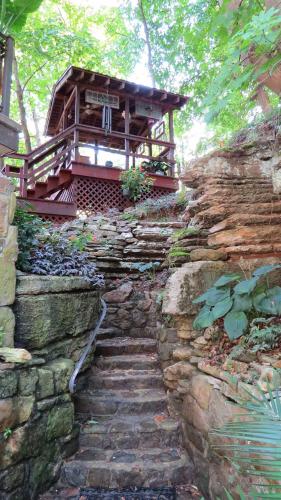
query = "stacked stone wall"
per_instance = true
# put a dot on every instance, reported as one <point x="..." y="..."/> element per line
<point x="8" y="256"/>
<point x="54" y="318"/>
<point x="45" y="324"/>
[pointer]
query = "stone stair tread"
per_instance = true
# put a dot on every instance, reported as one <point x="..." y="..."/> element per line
<point x="131" y="372"/>
<point x="136" y="423"/>
<point x="125" y="360"/>
<point x="152" y="467"/>
<point x="126" y="341"/>
<point x="129" y="456"/>
<point x="115" y="379"/>
<point x="137" y="395"/>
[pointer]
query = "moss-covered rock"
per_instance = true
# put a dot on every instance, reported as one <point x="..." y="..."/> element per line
<point x="42" y="319"/>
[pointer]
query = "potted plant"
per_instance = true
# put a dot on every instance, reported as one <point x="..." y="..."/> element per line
<point x="155" y="167"/>
<point x="135" y="183"/>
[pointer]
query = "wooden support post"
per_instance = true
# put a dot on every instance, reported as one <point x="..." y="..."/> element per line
<point x="7" y="76"/>
<point x="127" y="131"/>
<point x="23" y="180"/>
<point x="96" y="152"/>
<point x="171" y="138"/>
<point x="150" y="137"/>
<point x="77" y="121"/>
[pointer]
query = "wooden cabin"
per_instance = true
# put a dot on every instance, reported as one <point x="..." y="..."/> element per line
<point x="98" y="126"/>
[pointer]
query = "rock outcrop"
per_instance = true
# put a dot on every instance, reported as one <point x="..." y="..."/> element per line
<point x="234" y="203"/>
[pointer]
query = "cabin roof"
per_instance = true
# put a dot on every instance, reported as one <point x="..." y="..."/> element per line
<point x="92" y="79"/>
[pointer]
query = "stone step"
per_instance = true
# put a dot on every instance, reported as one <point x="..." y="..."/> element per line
<point x="125" y="379"/>
<point x="125" y="345"/>
<point x="131" y="402"/>
<point x="127" y="361"/>
<point x="108" y="333"/>
<point x="131" y="432"/>
<point x="118" y="469"/>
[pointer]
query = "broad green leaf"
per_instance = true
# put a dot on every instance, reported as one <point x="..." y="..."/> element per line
<point x="269" y="302"/>
<point x="225" y="280"/>
<point x="235" y="324"/>
<point x="246" y="286"/>
<point x="262" y="271"/>
<point x="222" y="307"/>
<point x="216" y="295"/>
<point x="242" y="303"/>
<point x="204" y="319"/>
<point x="202" y="298"/>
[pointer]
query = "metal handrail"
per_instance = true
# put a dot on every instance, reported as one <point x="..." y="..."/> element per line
<point x="87" y="349"/>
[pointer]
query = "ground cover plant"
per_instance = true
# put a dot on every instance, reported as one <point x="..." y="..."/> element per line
<point x="44" y="250"/>
<point x="238" y="301"/>
<point x="169" y="205"/>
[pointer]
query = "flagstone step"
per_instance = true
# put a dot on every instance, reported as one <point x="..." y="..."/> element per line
<point x="130" y="432"/>
<point x="130" y="402"/>
<point x="127" y="361"/>
<point x="125" y="379"/>
<point x="125" y="345"/>
<point x="121" y="468"/>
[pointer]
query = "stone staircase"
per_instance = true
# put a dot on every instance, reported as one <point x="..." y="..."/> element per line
<point x="127" y="436"/>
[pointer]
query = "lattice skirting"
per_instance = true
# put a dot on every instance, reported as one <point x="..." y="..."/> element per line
<point x="56" y="219"/>
<point x="98" y="195"/>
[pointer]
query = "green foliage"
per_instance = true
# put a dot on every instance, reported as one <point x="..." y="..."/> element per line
<point x="7" y="433"/>
<point x="264" y="335"/>
<point x="142" y="268"/>
<point x="182" y="233"/>
<point x="81" y="240"/>
<point x="2" y="334"/>
<point x="29" y="228"/>
<point x="135" y="183"/>
<point x="237" y="300"/>
<point x="252" y="442"/>
<point x="14" y="13"/>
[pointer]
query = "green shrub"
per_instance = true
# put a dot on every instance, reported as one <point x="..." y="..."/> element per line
<point x="135" y="183"/>
<point x="238" y="301"/>
<point x="29" y="228"/>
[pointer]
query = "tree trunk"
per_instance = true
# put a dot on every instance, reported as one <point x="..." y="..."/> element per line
<point x="23" y="119"/>
<point x="36" y="125"/>
<point x="263" y="100"/>
<point x="148" y="43"/>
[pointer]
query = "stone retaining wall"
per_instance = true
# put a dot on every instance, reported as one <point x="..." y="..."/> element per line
<point x="54" y="317"/>
<point x="8" y="256"/>
<point x="202" y="391"/>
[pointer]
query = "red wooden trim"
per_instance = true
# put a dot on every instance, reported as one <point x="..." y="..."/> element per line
<point x="51" y="207"/>
<point x="113" y="174"/>
<point x="122" y="135"/>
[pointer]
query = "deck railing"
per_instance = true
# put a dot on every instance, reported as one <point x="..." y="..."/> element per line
<point x="59" y="152"/>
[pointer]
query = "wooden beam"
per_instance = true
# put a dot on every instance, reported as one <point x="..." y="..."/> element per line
<point x="163" y="96"/>
<point x="150" y="93"/>
<point x="92" y="78"/>
<point x="136" y="90"/>
<point x="80" y="77"/>
<point x="107" y="82"/>
<point x="121" y="86"/>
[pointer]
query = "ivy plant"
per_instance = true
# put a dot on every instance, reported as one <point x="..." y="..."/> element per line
<point x="238" y="300"/>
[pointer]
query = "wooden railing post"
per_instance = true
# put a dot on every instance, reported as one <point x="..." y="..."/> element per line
<point x="127" y="131"/>
<point x="172" y="140"/>
<point x="23" y="180"/>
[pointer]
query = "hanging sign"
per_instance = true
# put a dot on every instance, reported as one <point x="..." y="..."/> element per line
<point x="102" y="99"/>
<point x="148" y="109"/>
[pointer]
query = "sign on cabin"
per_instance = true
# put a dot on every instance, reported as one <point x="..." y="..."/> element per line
<point x="149" y="110"/>
<point x="102" y="99"/>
